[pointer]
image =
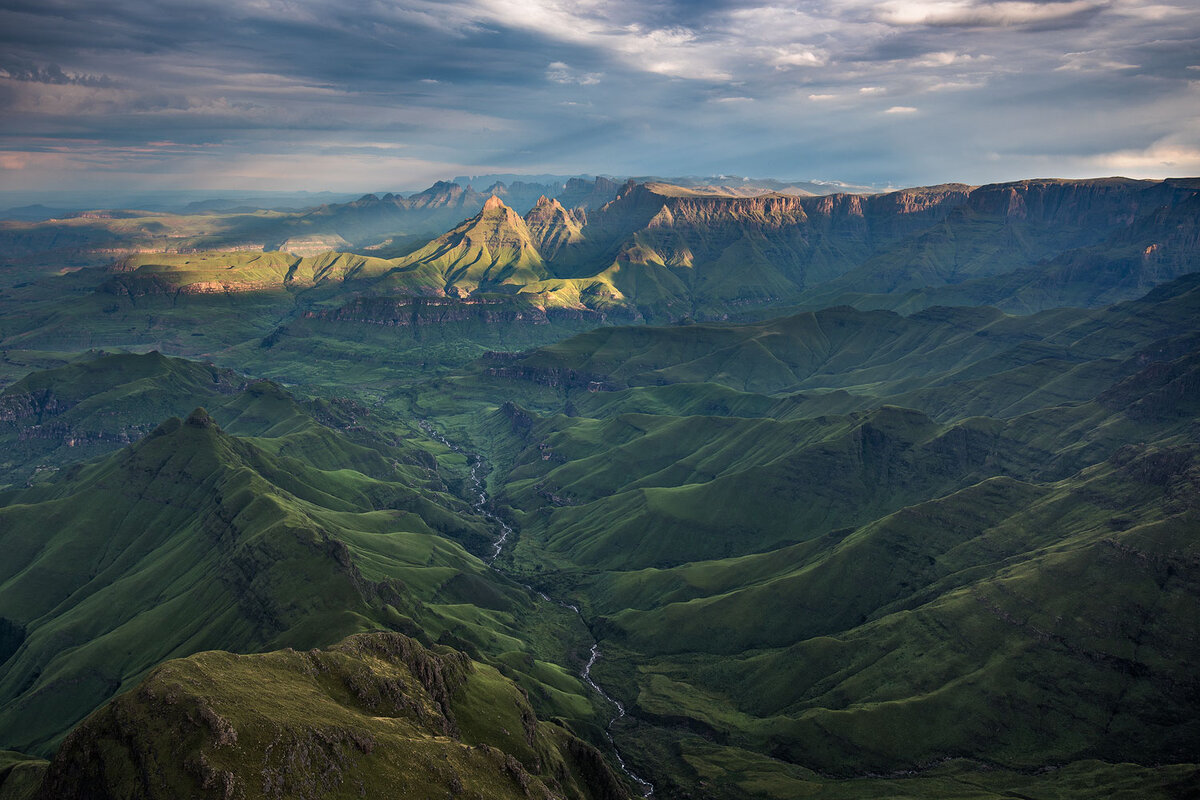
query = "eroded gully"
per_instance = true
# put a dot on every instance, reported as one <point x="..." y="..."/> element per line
<point x="482" y="506"/>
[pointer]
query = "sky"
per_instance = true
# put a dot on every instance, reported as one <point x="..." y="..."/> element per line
<point x="380" y="95"/>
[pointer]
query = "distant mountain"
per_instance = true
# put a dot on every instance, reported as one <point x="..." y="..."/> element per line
<point x="666" y="252"/>
<point x="738" y="185"/>
<point x="673" y="252"/>
<point x="35" y="213"/>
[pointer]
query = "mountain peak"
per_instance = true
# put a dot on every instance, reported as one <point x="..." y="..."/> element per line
<point x="493" y="202"/>
<point x="199" y="418"/>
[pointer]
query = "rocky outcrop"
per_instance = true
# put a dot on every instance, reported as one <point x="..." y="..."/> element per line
<point x="551" y="228"/>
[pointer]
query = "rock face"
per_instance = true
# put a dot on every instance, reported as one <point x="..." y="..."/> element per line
<point x="377" y="715"/>
<point x="551" y="227"/>
<point x="664" y="253"/>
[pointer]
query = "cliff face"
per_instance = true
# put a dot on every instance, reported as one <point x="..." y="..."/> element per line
<point x="1108" y="203"/>
<point x="551" y="228"/>
<point x="417" y="313"/>
<point x="667" y="252"/>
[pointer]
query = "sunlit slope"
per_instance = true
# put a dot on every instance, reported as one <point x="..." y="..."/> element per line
<point x="376" y="715"/>
<point x="654" y="252"/>
<point x="193" y="539"/>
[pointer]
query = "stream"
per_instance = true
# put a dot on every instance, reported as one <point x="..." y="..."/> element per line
<point x="482" y="506"/>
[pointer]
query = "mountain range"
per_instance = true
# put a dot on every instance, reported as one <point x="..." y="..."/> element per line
<point x="598" y="490"/>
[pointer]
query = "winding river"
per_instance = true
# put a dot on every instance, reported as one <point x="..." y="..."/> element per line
<point x="482" y="506"/>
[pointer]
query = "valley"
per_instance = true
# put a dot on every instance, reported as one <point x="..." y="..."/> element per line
<point x="607" y="490"/>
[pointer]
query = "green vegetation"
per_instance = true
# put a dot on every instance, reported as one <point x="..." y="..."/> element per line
<point x="193" y="539"/>
<point x="377" y="715"/>
<point x="910" y="545"/>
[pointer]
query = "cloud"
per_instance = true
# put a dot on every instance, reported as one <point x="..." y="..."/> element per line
<point x="1153" y="160"/>
<point x="1089" y="61"/>
<point x="966" y="14"/>
<point x="609" y="86"/>
<point x="52" y="74"/>
<point x="946" y="58"/>
<point x="558" y="72"/>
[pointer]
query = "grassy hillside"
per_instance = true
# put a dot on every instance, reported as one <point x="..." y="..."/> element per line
<point x="793" y="579"/>
<point x="844" y="552"/>
<point x="193" y="539"/>
<point x="376" y="715"/>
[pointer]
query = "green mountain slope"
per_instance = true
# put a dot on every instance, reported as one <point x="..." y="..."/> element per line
<point x="785" y="592"/>
<point x="949" y="363"/>
<point x="99" y="403"/>
<point x="844" y="552"/>
<point x="376" y="715"/>
<point x="193" y="539"/>
<point x="1015" y="624"/>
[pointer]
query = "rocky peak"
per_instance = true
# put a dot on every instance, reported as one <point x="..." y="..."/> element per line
<point x="551" y="227"/>
<point x="199" y="418"/>
<point x="493" y="203"/>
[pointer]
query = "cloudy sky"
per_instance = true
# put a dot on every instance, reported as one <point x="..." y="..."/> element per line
<point x="379" y="94"/>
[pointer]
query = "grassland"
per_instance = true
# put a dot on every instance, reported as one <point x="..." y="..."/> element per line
<point x="840" y="552"/>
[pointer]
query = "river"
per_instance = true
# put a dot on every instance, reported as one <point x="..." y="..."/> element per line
<point x="481" y="503"/>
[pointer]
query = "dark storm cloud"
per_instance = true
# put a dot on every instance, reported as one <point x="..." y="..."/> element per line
<point x="323" y="94"/>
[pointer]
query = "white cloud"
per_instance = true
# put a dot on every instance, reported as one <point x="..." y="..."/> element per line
<point x="964" y="13"/>
<point x="947" y="58"/>
<point x="798" y="58"/>
<point x="820" y="98"/>
<point x="1091" y="61"/>
<point x="901" y="110"/>
<point x="558" y="72"/>
<point x="1153" y="160"/>
<point x="955" y="86"/>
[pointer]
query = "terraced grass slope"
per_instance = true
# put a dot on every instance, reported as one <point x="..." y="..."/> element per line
<point x="377" y="715"/>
